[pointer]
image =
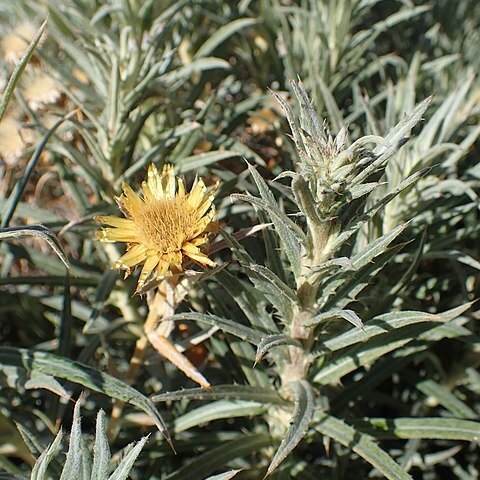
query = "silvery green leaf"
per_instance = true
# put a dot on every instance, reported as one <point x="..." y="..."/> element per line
<point x="456" y="312"/>
<point x="40" y="380"/>
<point x="19" y="69"/>
<point x="368" y="352"/>
<point x="357" y="191"/>
<point x="264" y="190"/>
<point x="362" y="445"/>
<point x="454" y="255"/>
<point x="101" y="450"/>
<point x="376" y="247"/>
<point x="274" y="341"/>
<point x="123" y="470"/>
<point x="306" y="202"/>
<point x="38" y="231"/>
<point x="224" y="476"/>
<point x="340" y="289"/>
<point x="221" y="34"/>
<point x="446" y="398"/>
<point x="224" y="392"/>
<point x="304" y="408"/>
<point x="340" y="263"/>
<point x="309" y="119"/>
<point x="217" y="410"/>
<point x="297" y="137"/>
<point x="224" y="324"/>
<point x="396" y="139"/>
<point x="195" y="162"/>
<point x="26" y="361"/>
<point x="377" y="326"/>
<point x="198" y="65"/>
<point x="73" y="462"/>
<point x="348" y="315"/>
<point x="39" y="471"/>
<point x="381" y="344"/>
<point x="217" y="457"/>
<point x="438" y="428"/>
<point x="283" y="225"/>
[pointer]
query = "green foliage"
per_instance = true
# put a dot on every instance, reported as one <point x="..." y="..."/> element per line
<point x="339" y="332"/>
<point x="78" y="463"/>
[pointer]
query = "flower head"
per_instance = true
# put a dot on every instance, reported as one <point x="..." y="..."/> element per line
<point x="164" y="228"/>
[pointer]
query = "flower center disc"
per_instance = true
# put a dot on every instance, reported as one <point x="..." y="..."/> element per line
<point x="165" y="225"/>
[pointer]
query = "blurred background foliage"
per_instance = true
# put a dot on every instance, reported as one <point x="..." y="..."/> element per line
<point x="115" y="85"/>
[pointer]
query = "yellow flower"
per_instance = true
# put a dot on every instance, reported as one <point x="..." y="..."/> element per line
<point x="164" y="228"/>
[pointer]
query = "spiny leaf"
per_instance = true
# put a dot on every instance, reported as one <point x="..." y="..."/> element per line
<point x="225" y="392"/>
<point x="101" y="450"/>
<point x="123" y="470"/>
<point x="446" y="398"/>
<point x="301" y="419"/>
<point x="376" y="326"/>
<point x="274" y="341"/>
<point x="348" y="315"/>
<point x="226" y="325"/>
<point x="39" y="471"/>
<point x="74" y="455"/>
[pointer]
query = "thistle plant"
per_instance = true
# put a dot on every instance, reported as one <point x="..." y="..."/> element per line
<point x="308" y="307"/>
<point x="335" y="336"/>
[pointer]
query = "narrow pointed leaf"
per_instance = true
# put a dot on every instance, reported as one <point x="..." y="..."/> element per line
<point x="362" y="445"/>
<point x="435" y="428"/>
<point x="24" y="361"/>
<point x="281" y="296"/>
<point x="216" y="458"/>
<point x="224" y="476"/>
<point x="348" y="315"/>
<point x="226" y="325"/>
<point x="74" y="455"/>
<point x="376" y="326"/>
<point x="101" y="450"/>
<point x="218" y="410"/>
<point x="301" y="419"/>
<point x="123" y="470"/>
<point x="39" y="470"/>
<point x="224" y="392"/>
<point x="38" y="231"/>
<point x="222" y="34"/>
<point x="19" y="69"/>
<point x="446" y="398"/>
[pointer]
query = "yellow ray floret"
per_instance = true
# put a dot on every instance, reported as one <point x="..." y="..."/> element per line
<point x="164" y="227"/>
